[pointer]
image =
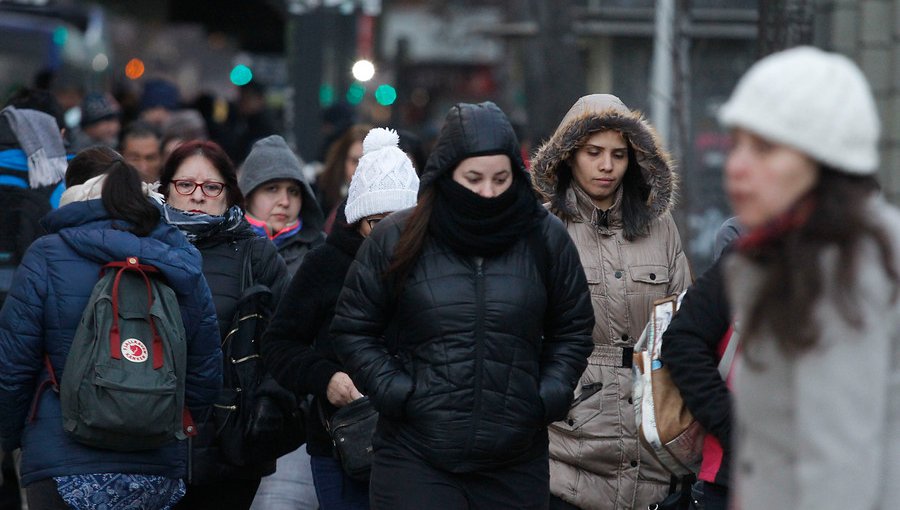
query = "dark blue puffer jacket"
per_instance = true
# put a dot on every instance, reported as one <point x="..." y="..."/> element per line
<point x="49" y="293"/>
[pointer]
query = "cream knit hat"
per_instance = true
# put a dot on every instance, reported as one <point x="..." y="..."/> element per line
<point x="814" y="101"/>
<point x="385" y="180"/>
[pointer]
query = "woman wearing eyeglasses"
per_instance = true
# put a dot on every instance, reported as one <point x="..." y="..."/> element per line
<point x="297" y="347"/>
<point x="203" y="200"/>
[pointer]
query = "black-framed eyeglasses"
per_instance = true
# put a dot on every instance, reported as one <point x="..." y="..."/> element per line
<point x="372" y="222"/>
<point x="210" y="189"/>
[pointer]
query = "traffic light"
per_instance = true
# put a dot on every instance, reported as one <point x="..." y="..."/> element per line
<point x="355" y="93"/>
<point x="134" y="69"/>
<point x="385" y="94"/>
<point x="241" y="75"/>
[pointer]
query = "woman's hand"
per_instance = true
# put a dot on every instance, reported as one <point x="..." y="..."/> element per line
<point x="341" y="390"/>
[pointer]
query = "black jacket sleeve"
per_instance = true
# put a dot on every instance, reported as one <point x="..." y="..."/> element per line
<point x="268" y="267"/>
<point x="568" y="324"/>
<point x="288" y="344"/>
<point x="689" y="350"/>
<point x="360" y="321"/>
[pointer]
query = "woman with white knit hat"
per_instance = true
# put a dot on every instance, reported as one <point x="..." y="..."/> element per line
<point x="297" y="346"/>
<point x="814" y="284"/>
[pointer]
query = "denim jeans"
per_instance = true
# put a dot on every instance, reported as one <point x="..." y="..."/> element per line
<point x="290" y="487"/>
<point x="337" y="491"/>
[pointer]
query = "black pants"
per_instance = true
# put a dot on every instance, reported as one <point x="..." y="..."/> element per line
<point x="227" y="495"/>
<point x="557" y="503"/>
<point x="44" y="495"/>
<point x="403" y="481"/>
<point x="715" y="496"/>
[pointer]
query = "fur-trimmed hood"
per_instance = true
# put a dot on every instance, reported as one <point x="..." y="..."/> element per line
<point x="597" y="112"/>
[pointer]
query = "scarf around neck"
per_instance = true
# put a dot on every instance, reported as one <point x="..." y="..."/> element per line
<point x="199" y="226"/>
<point x="473" y="225"/>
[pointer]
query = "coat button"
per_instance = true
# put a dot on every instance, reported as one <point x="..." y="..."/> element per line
<point x="630" y="400"/>
<point x="570" y="421"/>
<point x="625" y="337"/>
<point x="652" y="276"/>
<point x="618" y="274"/>
<point x="634" y="463"/>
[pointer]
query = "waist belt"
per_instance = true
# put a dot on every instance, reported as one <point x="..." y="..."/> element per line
<point x="611" y="356"/>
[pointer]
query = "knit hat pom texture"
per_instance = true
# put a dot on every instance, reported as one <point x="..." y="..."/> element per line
<point x="385" y="180"/>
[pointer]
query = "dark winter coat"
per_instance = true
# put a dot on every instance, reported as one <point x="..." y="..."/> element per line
<point x="222" y="265"/>
<point x="472" y="357"/>
<point x="466" y="381"/>
<point x="51" y="288"/>
<point x="690" y="350"/>
<point x="298" y="347"/>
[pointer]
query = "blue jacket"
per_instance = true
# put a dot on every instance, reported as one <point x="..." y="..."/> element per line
<point x="49" y="293"/>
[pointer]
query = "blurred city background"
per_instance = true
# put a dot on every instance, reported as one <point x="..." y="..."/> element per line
<point x="401" y="63"/>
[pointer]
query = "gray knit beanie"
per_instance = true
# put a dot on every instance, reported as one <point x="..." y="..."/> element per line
<point x="269" y="159"/>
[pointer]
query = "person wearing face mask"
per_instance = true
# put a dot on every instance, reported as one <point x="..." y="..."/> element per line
<point x="606" y="175"/>
<point x="814" y="285"/>
<point x="466" y="320"/>
<point x="280" y="203"/>
<point x="298" y="347"/>
<point x="204" y="201"/>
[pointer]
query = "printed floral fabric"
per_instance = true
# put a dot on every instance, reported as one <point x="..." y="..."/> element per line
<point x="118" y="491"/>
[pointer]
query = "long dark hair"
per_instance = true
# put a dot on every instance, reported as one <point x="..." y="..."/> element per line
<point x="794" y="279"/>
<point x="636" y="216"/>
<point x="216" y="157"/>
<point x="333" y="177"/>
<point x="412" y="239"/>
<point x="123" y="198"/>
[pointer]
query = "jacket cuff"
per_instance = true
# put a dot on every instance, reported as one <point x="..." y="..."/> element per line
<point x="319" y="378"/>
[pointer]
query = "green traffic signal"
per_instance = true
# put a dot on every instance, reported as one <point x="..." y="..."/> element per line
<point x="385" y="95"/>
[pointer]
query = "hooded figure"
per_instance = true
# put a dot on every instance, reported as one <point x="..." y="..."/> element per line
<point x="466" y="320"/>
<point x="606" y="175"/>
<point x="280" y="203"/>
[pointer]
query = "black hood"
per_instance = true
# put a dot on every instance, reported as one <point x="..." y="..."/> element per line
<point x="471" y="130"/>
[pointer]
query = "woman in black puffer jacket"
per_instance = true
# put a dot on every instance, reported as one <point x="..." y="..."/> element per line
<point x="467" y="321"/>
<point x="297" y="347"/>
<point x="203" y="200"/>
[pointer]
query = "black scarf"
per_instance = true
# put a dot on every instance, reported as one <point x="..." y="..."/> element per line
<point x="476" y="226"/>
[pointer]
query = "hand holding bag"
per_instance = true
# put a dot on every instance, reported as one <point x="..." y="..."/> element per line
<point x="351" y="428"/>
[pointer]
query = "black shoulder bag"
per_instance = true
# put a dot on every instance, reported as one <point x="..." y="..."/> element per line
<point x="257" y="420"/>
<point x="352" y="428"/>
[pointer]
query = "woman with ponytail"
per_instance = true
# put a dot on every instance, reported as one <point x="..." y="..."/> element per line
<point x="109" y="218"/>
<point x="467" y="321"/>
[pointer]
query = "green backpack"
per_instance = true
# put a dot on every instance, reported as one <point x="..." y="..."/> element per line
<point x="123" y="384"/>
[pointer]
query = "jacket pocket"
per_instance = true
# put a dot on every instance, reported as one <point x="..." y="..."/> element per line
<point x="648" y="279"/>
<point x="588" y="402"/>
<point x="594" y="279"/>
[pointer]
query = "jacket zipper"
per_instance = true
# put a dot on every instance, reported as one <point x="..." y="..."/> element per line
<point x="479" y="350"/>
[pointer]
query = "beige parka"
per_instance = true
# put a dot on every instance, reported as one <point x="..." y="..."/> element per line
<point x="596" y="461"/>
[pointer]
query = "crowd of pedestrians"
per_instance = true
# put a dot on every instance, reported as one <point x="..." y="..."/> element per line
<point x="487" y="309"/>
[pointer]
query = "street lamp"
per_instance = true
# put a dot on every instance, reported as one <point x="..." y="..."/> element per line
<point x="363" y="70"/>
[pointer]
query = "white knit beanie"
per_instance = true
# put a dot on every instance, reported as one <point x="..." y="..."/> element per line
<point x="385" y="180"/>
<point x="814" y="101"/>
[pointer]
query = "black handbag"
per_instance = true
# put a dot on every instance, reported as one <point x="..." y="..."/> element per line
<point x="256" y="419"/>
<point x="351" y="428"/>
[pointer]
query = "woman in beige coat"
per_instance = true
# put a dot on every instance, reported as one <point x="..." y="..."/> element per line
<point x="607" y="176"/>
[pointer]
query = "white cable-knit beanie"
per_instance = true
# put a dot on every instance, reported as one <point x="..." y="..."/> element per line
<point x="385" y="180"/>
<point x="814" y="101"/>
